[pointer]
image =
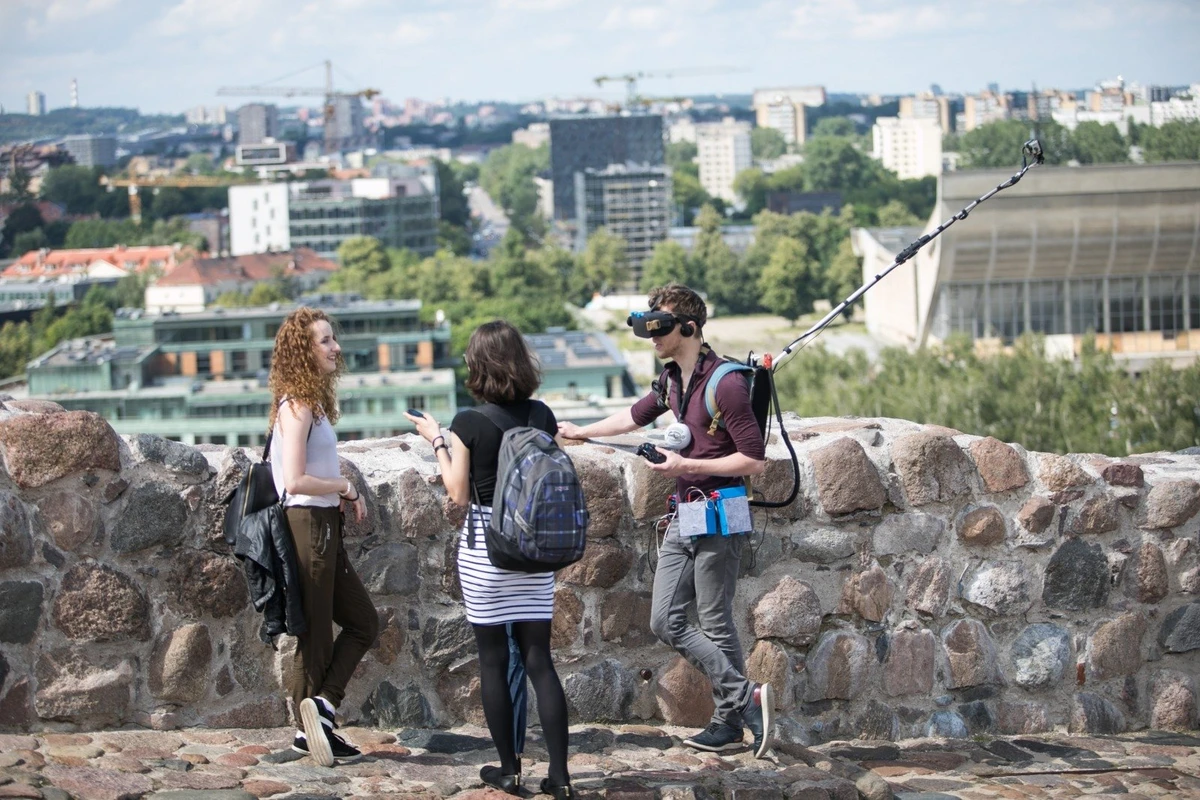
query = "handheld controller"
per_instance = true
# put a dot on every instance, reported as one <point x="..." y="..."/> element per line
<point x="647" y="451"/>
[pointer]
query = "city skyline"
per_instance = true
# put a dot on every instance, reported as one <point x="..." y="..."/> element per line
<point x="525" y="50"/>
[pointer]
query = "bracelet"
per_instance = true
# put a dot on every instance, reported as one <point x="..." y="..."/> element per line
<point x="442" y="446"/>
<point x="439" y="436"/>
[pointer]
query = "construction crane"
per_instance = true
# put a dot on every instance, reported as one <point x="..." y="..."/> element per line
<point x="632" y="98"/>
<point x="181" y="181"/>
<point x="331" y="139"/>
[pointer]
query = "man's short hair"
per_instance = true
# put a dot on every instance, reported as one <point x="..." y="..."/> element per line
<point x="684" y="302"/>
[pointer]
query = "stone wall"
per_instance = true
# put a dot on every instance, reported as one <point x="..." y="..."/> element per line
<point x="924" y="582"/>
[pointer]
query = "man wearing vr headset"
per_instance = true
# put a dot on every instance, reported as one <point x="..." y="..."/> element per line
<point x="699" y="570"/>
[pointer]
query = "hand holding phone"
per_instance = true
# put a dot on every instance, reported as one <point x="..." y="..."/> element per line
<point x="414" y="412"/>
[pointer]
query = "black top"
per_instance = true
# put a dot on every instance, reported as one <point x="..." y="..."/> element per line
<point x="482" y="438"/>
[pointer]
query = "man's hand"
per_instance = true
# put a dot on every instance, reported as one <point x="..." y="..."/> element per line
<point x="674" y="466"/>
<point x="569" y="430"/>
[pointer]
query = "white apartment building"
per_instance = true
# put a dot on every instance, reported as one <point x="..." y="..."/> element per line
<point x="722" y="150"/>
<point x="912" y="148"/>
<point x="981" y="109"/>
<point x="681" y="130"/>
<point x="783" y="109"/>
<point x="258" y="219"/>
<point x="35" y="104"/>
<point x="927" y="105"/>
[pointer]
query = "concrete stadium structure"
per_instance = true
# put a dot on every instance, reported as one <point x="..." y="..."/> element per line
<point x="1111" y="250"/>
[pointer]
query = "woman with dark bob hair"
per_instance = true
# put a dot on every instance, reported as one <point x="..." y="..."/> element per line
<point x="501" y="372"/>
<point x="305" y="367"/>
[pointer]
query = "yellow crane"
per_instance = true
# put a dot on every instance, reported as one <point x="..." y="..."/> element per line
<point x="632" y="98"/>
<point x="327" y="91"/>
<point x="180" y="181"/>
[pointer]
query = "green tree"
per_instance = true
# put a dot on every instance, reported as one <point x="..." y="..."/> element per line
<point x="788" y="283"/>
<point x="18" y="181"/>
<point x="101" y="233"/>
<point x="1174" y="141"/>
<point x="894" y="214"/>
<point x="834" y="126"/>
<point x="844" y="274"/>
<point x="453" y="238"/>
<point x="723" y="275"/>
<point x="998" y="144"/>
<point x="25" y="218"/>
<point x="507" y="176"/>
<point x="751" y="186"/>
<point x="78" y="188"/>
<point x="16" y="348"/>
<point x="767" y="143"/>
<point x="515" y="275"/>
<point x="29" y="240"/>
<point x="682" y="155"/>
<point x="452" y="200"/>
<point x="688" y="194"/>
<point x="200" y="164"/>
<point x="603" y="267"/>
<point x="1093" y="143"/>
<point x="668" y="262"/>
<point x="832" y="162"/>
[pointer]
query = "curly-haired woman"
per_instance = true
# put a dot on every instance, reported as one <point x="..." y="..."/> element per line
<point x="503" y="374"/>
<point x="305" y="366"/>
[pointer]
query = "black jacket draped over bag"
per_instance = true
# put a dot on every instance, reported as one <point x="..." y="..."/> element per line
<point x="256" y="527"/>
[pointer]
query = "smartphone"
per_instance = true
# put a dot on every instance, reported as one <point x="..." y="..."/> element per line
<point x="416" y="413"/>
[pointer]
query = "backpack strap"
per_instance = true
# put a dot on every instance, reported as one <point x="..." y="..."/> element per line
<point x="710" y="391"/>
<point x="505" y="422"/>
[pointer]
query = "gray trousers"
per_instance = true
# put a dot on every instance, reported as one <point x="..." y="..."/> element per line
<point x="703" y="571"/>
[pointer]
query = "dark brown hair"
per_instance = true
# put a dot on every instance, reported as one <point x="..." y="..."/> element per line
<point x="682" y="300"/>
<point x="500" y="368"/>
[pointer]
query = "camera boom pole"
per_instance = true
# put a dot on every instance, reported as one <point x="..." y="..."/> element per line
<point x="1031" y="156"/>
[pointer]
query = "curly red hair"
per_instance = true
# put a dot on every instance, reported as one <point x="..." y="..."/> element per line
<point x="294" y="371"/>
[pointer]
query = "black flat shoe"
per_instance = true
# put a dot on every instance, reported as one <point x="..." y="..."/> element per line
<point x="494" y="777"/>
<point x="557" y="792"/>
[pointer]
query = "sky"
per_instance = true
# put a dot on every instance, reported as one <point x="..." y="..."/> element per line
<point x="164" y="56"/>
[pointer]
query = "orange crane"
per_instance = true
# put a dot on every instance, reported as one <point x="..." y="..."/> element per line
<point x="331" y="139"/>
<point x="632" y="98"/>
<point x="181" y="181"/>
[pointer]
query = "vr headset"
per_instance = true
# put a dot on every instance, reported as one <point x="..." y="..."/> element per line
<point x="648" y="324"/>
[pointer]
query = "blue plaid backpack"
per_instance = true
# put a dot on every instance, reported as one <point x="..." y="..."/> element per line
<point x="539" y="515"/>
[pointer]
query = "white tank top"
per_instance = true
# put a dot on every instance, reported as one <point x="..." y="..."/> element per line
<point x="321" y="461"/>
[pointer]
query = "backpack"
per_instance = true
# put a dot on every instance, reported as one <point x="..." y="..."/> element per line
<point x="759" y="388"/>
<point x="539" y="514"/>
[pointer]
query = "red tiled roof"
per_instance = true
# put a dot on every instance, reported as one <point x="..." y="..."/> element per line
<point x="256" y="267"/>
<point x="58" y="263"/>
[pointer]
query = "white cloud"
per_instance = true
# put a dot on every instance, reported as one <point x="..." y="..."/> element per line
<point x="642" y="18"/>
<point x="826" y="20"/>
<point x="410" y="33"/>
<point x="534" y="5"/>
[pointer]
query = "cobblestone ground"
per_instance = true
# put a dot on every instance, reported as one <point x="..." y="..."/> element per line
<point x="627" y="762"/>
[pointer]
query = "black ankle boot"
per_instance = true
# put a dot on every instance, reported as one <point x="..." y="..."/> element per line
<point x="494" y="777"/>
<point x="557" y="792"/>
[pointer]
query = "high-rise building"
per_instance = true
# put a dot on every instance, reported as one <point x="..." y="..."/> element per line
<point x="36" y="104"/>
<point x="398" y="211"/>
<point x="722" y="150"/>
<point x="912" y="148"/>
<point x="782" y="108"/>
<point x="927" y="105"/>
<point x="92" y="151"/>
<point x="594" y="143"/>
<point x="257" y="122"/>
<point x="349" y="131"/>
<point x="632" y="201"/>
<point x="983" y="108"/>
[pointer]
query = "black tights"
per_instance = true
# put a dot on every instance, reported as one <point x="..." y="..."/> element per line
<point x="534" y="640"/>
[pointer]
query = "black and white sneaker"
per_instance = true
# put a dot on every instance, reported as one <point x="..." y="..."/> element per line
<point x="343" y="752"/>
<point x="316" y="734"/>
<point x="759" y="717"/>
<point x="716" y="738"/>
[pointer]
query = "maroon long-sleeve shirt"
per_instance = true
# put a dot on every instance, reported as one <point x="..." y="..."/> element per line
<point x="740" y="434"/>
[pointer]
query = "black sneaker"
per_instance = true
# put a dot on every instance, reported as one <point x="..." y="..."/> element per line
<point x="716" y="738"/>
<point x="759" y="717"/>
<point x="318" y="739"/>
<point x="343" y="751"/>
